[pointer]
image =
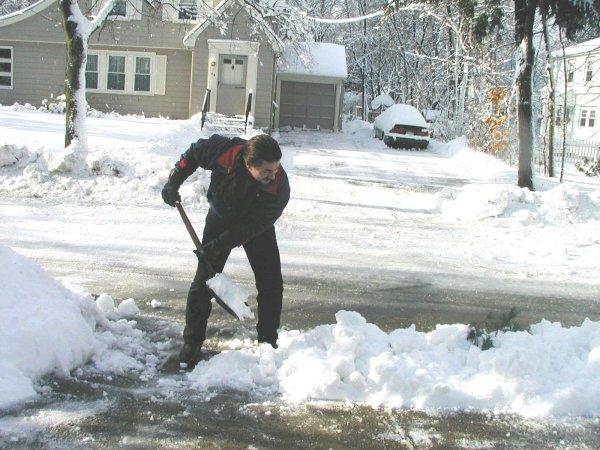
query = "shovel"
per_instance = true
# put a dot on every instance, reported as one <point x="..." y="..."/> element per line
<point x="226" y="293"/>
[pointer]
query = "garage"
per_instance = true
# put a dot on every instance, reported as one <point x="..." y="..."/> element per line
<point x="310" y="87"/>
<point x="307" y="105"/>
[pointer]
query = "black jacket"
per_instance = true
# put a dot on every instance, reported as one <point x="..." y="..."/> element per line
<point x="247" y="206"/>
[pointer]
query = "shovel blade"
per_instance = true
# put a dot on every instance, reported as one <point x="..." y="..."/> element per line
<point x="230" y="296"/>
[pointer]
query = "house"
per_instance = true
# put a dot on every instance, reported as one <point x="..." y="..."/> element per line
<point x="577" y="80"/>
<point x="172" y="59"/>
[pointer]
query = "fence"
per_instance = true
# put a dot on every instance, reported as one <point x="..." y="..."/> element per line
<point x="574" y="151"/>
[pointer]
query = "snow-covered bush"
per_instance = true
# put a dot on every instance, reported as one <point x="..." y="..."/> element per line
<point x="588" y="166"/>
<point x="56" y="105"/>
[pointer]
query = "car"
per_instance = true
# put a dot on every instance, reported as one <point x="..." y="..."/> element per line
<point x="402" y="126"/>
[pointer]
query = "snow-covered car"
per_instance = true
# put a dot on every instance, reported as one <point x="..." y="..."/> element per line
<point x="402" y="126"/>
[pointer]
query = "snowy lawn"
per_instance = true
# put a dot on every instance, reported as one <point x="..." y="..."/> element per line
<point x="355" y="203"/>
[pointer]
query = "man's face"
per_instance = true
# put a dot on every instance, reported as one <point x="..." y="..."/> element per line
<point x="264" y="173"/>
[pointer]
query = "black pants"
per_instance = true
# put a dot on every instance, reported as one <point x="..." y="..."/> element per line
<point x="263" y="254"/>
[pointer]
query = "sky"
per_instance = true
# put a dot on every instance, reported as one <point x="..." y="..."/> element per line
<point x="356" y="207"/>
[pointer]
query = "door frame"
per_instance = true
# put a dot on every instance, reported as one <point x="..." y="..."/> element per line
<point x="249" y="49"/>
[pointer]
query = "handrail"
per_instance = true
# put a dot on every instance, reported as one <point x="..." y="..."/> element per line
<point x="248" y="108"/>
<point x="205" y="107"/>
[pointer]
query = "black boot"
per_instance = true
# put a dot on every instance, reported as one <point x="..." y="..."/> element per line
<point x="190" y="354"/>
<point x="272" y="342"/>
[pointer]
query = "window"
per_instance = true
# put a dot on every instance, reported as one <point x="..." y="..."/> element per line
<point x="132" y="73"/>
<point x="91" y="72"/>
<point x="587" y="117"/>
<point x="142" y="74"/>
<point x="188" y="10"/>
<point x="6" y="67"/>
<point x="120" y="9"/>
<point x="125" y="10"/>
<point x="115" y="80"/>
<point x="558" y="116"/>
<point x="570" y="71"/>
<point x="589" y="70"/>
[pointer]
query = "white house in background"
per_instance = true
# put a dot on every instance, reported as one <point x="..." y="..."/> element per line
<point x="581" y="83"/>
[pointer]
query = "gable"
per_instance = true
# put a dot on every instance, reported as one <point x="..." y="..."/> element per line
<point x="232" y="7"/>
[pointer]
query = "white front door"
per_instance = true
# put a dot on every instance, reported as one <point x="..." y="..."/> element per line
<point x="231" y="91"/>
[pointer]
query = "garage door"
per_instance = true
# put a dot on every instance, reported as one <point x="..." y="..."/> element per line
<point x="307" y="105"/>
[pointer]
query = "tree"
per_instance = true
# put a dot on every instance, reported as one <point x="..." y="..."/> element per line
<point x="78" y="30"/>
<point x="569" y="15"/>
<point x="524" y="17"/>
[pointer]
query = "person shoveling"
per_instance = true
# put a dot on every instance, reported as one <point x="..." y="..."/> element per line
<point x="248" y="192"/>
<point x="226" y="293"/>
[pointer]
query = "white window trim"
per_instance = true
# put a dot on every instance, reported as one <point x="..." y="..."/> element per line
<point x="157" y="73"/>
<point x="583" y="117"/>
<point x="11" y="74"/>
<point x="589" y="69"/>
<point x="588" y="115"/>
<point x="571" y="71"/>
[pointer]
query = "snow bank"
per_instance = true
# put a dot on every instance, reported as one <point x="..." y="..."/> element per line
<point x="559" y="205"/>
<point x="550" y="371"/>
<point x="47" y="327"/>
<point x="44" y="327"/>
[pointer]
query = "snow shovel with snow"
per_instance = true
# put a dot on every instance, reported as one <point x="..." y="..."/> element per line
<point x="226" y="293"/>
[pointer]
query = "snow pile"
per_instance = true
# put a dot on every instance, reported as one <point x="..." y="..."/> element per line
<point x="359" y="127"/>
<point x="550" y="371"/>
<point x="558" y="205"/>
<point x="47" y="327"/>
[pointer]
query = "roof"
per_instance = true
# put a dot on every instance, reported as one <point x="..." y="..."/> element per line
<point x="583" y="48"/>
<point x="315" y="59"/>
<point x="189" y="39"/>
<point x="25" y="12"/>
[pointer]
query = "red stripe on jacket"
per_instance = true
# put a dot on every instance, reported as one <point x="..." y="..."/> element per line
<point x="227" y="159"/>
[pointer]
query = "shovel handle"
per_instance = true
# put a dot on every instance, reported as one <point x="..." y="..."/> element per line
<point x="189" y="226"/>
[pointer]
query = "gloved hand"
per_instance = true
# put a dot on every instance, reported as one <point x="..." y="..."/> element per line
<point x="211" y="251"/>
<point x="170" y="194"/>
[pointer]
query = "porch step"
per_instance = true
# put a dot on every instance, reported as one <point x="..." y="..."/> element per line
<point x="227" y="125"/>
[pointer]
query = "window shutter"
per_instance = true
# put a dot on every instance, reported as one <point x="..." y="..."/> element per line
<point x="161" y="75"/>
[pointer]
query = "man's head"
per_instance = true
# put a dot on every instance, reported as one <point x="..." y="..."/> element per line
<point x="262" y="156"/>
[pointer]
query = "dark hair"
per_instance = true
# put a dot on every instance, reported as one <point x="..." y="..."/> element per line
<point x="261" y="148"/>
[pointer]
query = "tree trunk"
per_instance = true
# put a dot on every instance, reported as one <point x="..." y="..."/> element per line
<point x="74" y="72"/>
<point x="524" y="17"/>
<point x="551" y="97"/>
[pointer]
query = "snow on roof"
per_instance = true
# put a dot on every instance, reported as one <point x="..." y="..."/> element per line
<point x="592" y="45"/>
<point x="21" y="14"/>
<point x="314" y="58"/>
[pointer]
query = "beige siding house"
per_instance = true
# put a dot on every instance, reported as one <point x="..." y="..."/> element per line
<point x="161" y="60"/>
